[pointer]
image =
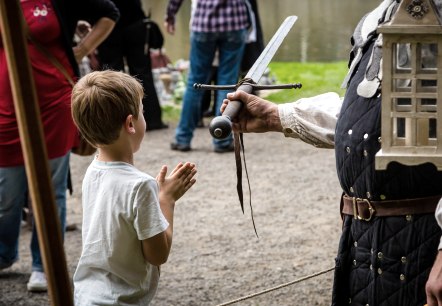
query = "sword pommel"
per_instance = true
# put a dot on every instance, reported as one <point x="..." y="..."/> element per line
<point x="220" y="127"/>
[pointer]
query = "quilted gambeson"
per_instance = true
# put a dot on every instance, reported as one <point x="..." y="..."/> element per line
<point x="385" y="261"/>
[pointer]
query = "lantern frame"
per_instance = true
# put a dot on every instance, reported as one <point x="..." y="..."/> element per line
<point x="411" y="120"/>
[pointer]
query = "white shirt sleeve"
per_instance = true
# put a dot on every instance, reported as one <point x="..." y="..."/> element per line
<point x="149" y="219"/>
<point x="313" y="120"/>
<point x="438" y="216"/>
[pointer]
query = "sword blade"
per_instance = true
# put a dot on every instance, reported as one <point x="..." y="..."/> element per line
<point x="260" y="65"/>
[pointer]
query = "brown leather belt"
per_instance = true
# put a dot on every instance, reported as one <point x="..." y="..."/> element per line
<point x="364" y="209"/>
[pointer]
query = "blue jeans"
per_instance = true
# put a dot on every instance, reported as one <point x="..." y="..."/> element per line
<point x="203" y="46"/>
<point x="13" y="191"/>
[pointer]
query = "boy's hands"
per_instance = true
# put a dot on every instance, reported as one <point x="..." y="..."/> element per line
<point x="156" y="249"/>
<point x="178" y="182"/>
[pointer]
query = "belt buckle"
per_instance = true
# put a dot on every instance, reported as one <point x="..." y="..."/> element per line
<point x="356" y="211"/>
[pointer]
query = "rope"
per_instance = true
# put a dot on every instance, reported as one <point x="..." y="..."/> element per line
<point x="277" y="287"/>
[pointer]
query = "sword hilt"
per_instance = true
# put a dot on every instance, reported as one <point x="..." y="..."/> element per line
<point x="221" y="127"/>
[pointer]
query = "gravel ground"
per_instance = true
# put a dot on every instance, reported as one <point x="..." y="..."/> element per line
<point x="216" y="257"/>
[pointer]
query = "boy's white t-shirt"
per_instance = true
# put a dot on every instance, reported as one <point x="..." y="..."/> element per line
<point x="120" y="208"/>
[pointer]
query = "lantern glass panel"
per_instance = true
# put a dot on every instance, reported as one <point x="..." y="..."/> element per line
<point x="402" y="85"/>
<point x="432" y="133"/>
<point x="428" y="57"/>
<point x="399" y="128"/>
<point x="402" y="104"/>
<point x="427" y="105"/>
<point x="402" y="61"/>
<point x="427" y="86"/>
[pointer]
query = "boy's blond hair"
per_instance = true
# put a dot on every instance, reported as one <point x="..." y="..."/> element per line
<point x="101" y="102"/>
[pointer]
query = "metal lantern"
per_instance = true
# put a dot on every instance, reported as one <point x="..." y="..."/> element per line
<point x="412" y="86"/>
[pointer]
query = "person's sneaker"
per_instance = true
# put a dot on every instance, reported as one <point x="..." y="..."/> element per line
<point x="37" y="282"/>
<point x="71" y="227"/>
<point x="180" y="147"/>
<point x="229" y="148"/>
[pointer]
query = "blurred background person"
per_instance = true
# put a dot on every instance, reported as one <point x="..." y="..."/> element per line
<point x="253" y="49"/>
<point x="255" y="39"/>
<point x="215" y="25"/>
<point x="126" y="45"/>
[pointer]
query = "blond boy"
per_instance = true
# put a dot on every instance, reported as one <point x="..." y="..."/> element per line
<point x="127" y="214"/>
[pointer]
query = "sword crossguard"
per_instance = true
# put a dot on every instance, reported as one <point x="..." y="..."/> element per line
<point x="254" y="86"/>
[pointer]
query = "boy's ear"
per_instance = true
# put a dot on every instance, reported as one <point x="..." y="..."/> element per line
<point x="129" y="124"/>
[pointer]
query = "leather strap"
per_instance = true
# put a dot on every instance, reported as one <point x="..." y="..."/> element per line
<point x="54" y="61"/>
<point x="238" y="146"/>
<point x="238" y="142"/>
<point x="364" y="209"/>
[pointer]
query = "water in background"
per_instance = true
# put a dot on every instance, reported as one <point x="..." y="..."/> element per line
<point x="322" y="32"/>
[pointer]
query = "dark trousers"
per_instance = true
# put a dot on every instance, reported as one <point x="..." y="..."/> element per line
<point x="127" y="46"/>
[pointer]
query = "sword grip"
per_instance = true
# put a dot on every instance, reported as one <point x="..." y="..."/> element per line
<point x="221" y="126"/>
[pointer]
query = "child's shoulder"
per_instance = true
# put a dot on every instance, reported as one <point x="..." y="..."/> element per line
<point x="121" y="171"/>
<point x="139" y="178"/>
<point x="143" y="176"/>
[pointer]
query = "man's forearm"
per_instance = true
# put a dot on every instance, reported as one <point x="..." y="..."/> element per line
<point x="313" y="120"/>
<point x="172" y="9"/>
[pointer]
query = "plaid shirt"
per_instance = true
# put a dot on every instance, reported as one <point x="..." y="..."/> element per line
<point x="213" y="15"/>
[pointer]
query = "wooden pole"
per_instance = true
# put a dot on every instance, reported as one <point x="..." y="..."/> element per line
<point x="34" y="152"/>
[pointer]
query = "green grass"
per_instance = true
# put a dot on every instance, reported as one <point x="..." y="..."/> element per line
<point x="316" y="78"/>
<point x="170" y="113"/>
